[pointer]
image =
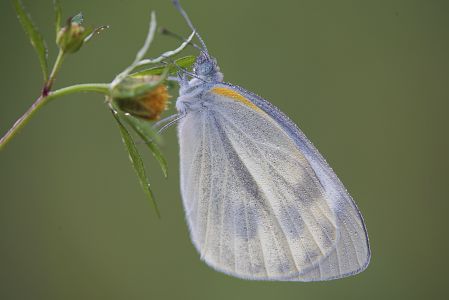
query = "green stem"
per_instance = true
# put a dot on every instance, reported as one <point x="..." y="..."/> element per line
<point x="58" y="63"/>
<point x="102" y="88"/>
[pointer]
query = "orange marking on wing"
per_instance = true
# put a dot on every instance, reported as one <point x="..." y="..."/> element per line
<point x="234" y="95"/>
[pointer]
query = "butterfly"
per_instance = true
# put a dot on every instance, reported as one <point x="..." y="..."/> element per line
<point x="261" y="202"/>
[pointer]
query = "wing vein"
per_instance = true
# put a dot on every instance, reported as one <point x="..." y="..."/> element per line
<point x="272" y="212"/>
<point x="210" y="193"/>
<point x="352" y="243"/>
<point x="225" y="187"/>
<point x="247" y="235"/>
<point x="288" y="213"/>
<point x="200" y="181"/>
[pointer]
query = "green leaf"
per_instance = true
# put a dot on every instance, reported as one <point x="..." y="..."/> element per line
<point x="150" y="137"/>
<point x="184" y="62"/>
<point x="142" y="126"/>
<point x="78" y="19"/>
<point x="58" y="15"/>
<point x="136" y="161"/>
<point x="34" y="35"/>
<point x="150" y="71"/>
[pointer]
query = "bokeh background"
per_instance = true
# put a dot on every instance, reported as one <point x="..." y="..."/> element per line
<point x="367" y="81"/>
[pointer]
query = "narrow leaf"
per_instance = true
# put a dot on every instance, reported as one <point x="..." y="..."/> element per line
<point x="34" y="35"/>
<point x="151" y="71"/>
<point x="184" y="62"/>
<point x="149" y="136"/>
<point x="58" y="15"/>
<point x="136" y="161"/>
<point x="144" y="127"/>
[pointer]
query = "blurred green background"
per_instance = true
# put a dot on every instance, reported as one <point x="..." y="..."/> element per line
<point x="367" y="81"/>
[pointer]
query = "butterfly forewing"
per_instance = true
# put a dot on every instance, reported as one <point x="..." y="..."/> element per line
<point x="352" y="252"/>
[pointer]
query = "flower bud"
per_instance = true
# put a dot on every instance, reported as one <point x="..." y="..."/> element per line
<point x="144" y="97"/>
<point x="71" y="37"/>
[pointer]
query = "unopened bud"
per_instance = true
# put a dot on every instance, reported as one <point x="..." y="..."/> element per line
<point x="71" y="37"/>
<point x="143" y="97"/>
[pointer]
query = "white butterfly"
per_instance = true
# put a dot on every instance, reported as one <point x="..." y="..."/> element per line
<point x="261" y="202"/>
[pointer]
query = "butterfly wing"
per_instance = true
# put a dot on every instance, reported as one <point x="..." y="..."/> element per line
<point x="352" y="252"/>
<point x="258" y="205"/>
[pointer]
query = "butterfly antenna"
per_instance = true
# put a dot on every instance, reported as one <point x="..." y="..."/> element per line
<point x="186" y="17"/>
<point x="167" y="32"/>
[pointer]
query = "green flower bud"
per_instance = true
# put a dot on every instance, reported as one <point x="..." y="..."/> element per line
<point x="71" y="37"/>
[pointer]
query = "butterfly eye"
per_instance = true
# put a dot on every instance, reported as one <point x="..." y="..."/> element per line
<point x="205" y="68"/>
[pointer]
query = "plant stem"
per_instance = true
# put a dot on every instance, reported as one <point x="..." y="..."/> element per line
<point x="102" y="88"/>
<point x="58" y="63"/>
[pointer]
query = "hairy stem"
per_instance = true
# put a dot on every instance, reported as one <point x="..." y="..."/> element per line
<point x="102" y="88"/>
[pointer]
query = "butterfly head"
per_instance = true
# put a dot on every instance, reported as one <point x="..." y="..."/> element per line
<point x="206" y="67"/>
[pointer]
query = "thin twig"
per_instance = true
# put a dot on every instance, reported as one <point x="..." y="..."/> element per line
<point x="140" y="54"/>
<point x="167" y="54"/>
